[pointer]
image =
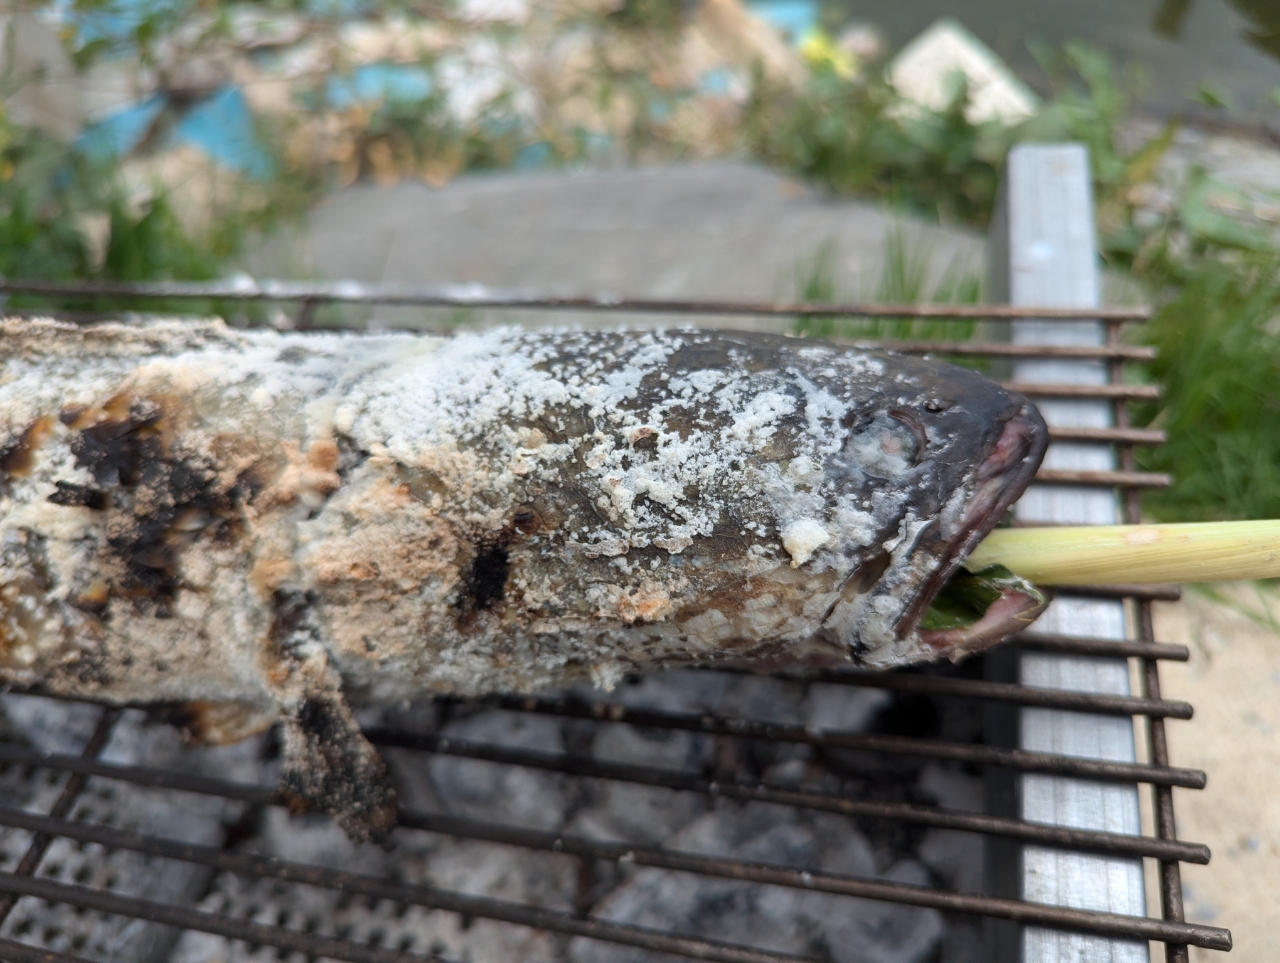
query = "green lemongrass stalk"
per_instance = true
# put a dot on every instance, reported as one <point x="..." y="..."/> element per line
<point x="1135" y="554"/>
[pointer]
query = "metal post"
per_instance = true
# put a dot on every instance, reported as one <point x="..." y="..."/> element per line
<point x="1043" y="243"/>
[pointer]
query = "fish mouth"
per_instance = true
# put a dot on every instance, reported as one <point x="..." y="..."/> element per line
<point x="999" y="481"/>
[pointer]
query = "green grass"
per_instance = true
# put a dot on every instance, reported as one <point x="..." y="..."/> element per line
<point x="1220" y="367"/>
<point x="905" y="278"/>
<point x="849" y="138"/>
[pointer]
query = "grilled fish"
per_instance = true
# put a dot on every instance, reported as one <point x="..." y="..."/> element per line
<point x="255" y="528"/>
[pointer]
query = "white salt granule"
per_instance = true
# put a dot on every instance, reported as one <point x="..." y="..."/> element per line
<point x="802" y="538"/>
<point x="757" y="419"/>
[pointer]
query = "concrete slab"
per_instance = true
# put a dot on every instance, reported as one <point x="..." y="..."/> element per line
<point x="709" y="230"/>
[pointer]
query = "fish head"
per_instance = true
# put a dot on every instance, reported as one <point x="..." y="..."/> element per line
<point x="775" y="493"/>
<point x="943" y="453"/>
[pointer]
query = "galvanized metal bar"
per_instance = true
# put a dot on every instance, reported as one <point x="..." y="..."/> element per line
<point x="1047" y="231"/>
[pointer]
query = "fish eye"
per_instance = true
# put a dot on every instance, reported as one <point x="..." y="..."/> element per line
<point x="887" y="445"/>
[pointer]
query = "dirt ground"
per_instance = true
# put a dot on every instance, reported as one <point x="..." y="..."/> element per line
<point x="1233" y="680"/>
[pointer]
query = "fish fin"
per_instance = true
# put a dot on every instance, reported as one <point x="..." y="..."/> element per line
<point x="329" y="765"/>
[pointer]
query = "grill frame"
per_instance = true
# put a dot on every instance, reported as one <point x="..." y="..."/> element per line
<point x="1149" y="710"/>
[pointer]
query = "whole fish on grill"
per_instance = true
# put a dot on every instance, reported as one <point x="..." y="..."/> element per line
<point x="255" y="528"/>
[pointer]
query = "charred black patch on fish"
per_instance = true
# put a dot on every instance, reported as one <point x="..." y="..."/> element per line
<point x="81" y="496"/>
<point x="175" y="502"/>
<point x="118" y="448"/>
<point x="486" y="579"/>
<point x="292" y="620"/>
<point x="350" y="455"/>
<point x="484" y="583"/>
<point x="327" y="758"/>
<point x="161" y="499"/>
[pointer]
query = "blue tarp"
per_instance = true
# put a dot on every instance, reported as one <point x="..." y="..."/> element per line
<point x="222" y="127"/>
<point x="374" y="83"/>
<point x="795" y="18"/>
<point x="117" y="135"/>
<point x="716" y="82"/>
<point x="119" y="20"/>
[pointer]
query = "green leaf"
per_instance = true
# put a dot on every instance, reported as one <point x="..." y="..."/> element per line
<point x="1212" y="96"/>
<point x="967" y="596"/>
<point x="1197" y="213"/>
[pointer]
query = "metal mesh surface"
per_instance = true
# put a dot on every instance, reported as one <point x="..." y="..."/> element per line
<point x="117" y="843"/>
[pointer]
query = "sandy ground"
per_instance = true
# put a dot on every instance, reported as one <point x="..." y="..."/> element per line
<point x="1233" y="680"/>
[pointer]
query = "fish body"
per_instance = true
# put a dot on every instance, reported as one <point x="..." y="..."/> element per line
<point x="257" y="528"/>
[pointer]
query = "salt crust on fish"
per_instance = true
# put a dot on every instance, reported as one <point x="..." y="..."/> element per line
<point x="256" y="528"/>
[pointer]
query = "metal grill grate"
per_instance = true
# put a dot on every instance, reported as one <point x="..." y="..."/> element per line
<point x="358" y="914"/>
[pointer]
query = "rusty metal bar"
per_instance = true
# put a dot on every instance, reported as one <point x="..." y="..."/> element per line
<point x="1104" y="479"/>
<point x="1004" y="349"/>
<point x="145" y="776"/>
<point x="804" y="879"/>
<point x="783" y="732"/>
<point x="1009" y="692"/>
<point x="1107" y="392"/>
<point x="12" y="952"/>
<point x="1108" y="436"/>
<point x="1018" y="759"/>
<point x="432" y="897"/>
<point x="481" y="296"/>
<point x="1079" y="645"/>
<point x="1171" y="905"/>
<point x="960" y="752"/>
<point x="827" y="802"/>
